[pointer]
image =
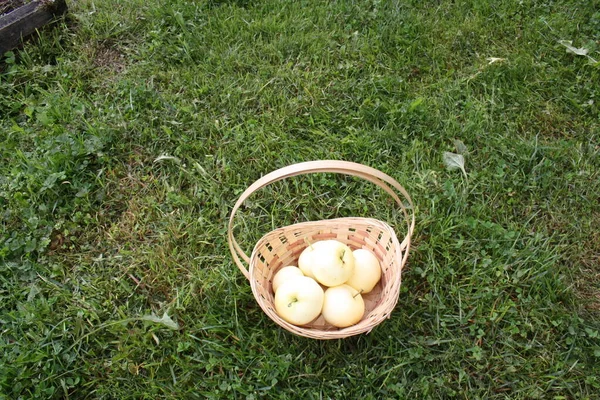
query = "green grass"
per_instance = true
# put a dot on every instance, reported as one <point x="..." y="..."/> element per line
<point x="500" y="295"/>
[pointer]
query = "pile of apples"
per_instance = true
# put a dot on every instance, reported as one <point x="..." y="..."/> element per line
<point x="329" y="280"/>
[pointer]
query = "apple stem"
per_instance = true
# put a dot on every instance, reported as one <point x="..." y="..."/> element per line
<point x="361" y="290"/>
<point x="342" y="256"/>
<point x="292" y="302"/>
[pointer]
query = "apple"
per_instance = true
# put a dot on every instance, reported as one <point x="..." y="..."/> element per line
<point x="305" y="261"/>
<point x="299" y="300"/>
<point x="332" y="262"/>
<point x="367" y="271"/>
<point x="285" y="274"/>
<point x="343" y="306"/>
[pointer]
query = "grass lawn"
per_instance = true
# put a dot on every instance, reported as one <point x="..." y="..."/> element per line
<point x="129" y="130"/>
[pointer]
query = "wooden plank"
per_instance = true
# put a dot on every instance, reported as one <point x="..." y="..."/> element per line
<point x="25" y="20"/>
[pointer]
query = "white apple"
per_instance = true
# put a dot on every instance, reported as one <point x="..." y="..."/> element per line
<point x="305" y="261"/>
<point x="343" y="306"/>
<point x="285" y="274"/>
<point x="299" y="300"/>
<point x="367" y="271"/>
<point x="332" y="262"/>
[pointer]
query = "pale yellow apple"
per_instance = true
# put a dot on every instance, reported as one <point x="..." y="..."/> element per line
<point x="367" y="271"/>
<point x="343" y="306"/>
<point x="305" y="261"/>
<point x="285" y="274"/>
<point x="332" y="262"/>
<point x="299" y="300"/>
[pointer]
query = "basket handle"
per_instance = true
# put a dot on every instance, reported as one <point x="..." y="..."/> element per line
<point x="333" y="166"/>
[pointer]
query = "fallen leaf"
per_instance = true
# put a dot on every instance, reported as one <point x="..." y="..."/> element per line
<point x="167" y="157"/>
<point x="492" y="60"/>
<point x="455" y="161"/>
<point x="460" y="147"/>
<point x="165" y="320"/>
<point x="582" y="51"/>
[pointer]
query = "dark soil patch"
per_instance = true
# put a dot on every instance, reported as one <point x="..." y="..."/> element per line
<point x="109" y="58"/>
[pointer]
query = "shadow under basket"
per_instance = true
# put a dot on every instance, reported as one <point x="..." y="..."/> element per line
<point x="282" y="247"/>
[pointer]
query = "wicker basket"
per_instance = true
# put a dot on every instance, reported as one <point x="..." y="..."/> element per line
<point x="283" y="246"/>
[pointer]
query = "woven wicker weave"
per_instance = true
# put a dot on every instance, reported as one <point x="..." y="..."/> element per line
<point x="283" y="246"/>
